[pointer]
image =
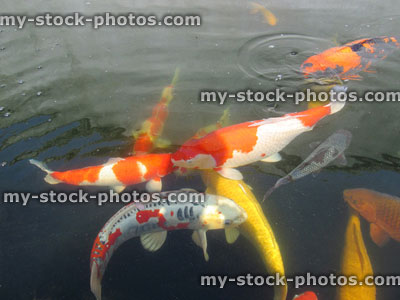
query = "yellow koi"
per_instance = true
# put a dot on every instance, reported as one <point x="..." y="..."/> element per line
<point x="355" y="262"/>
<point x="269" y="17"/>
<point x="256" y="229"/>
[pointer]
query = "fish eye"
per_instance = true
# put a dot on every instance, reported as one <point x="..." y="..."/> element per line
<point x="227" y="222"/>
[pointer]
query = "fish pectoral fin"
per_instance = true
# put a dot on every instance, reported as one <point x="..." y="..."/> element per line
<point x="378" y="235"/>
<point x="154" y="185"/>
<point x="162" y="143"/>
<point x="341" y="160"/>
<point x="200" y="239"/>
<point x="231" y="234"/>
<point x="153" y="241"/>
<point x="118" y="188"/>
<point x="273" y="158"/>
<point x="229" y="173"/>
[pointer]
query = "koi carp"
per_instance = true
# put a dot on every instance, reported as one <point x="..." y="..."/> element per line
<point x="116" y="172"/>
<point x="148" y="136"/>
<point x="330" y="150"/>
<point x="355" y="262"/>
<point x="151" y="222"/>
<point x="268" y="16"/>
<point x="256" y="228"/>
<point x="382" y="211"/>
<point x="345" y="62"/>
<point x="241" y="144"/>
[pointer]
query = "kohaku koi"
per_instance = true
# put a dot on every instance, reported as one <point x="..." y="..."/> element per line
<point x="345" y="62"/>
<point x="245" y="143"/>
<point x="148" y="137"/>
<point x="116" y="172"/>
<point x="151" y="222"/>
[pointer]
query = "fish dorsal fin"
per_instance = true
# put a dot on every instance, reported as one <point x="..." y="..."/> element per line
<point x="118" y="188"/>
<point x="273" y="158"/>
<point x="154" y="185"/>
<point x="200" y="239"/>
<point x="231" y="234"/>
<point x="113" y="160"/>
<point x="230" y="173"/>
<point x="153" y="241"/>
<point x="378" y="235"/>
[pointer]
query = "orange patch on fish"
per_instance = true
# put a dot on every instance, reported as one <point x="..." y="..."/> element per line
<point x="347" y="60"/>
<point x="222" y="143"/>
<point x="135" y="169"/>
<point x="76" y="177"/>
<point x="312" y="116"/>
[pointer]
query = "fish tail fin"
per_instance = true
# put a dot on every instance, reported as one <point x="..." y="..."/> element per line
<point x="42" y="166"/>
<point x="176" y="76"/>
<point x="95" y="281"/>
<point x="336" y="105"/>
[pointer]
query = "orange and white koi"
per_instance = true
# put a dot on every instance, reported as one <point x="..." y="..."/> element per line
<point x="116" y="172"/>
<point x="306" y="296"/>
<point x="345" y="62"/>
<point x="245" y="143"/>
<point x="151" y="222"/>
<point x="269" y="17"/>
<point x="148" y="136"/>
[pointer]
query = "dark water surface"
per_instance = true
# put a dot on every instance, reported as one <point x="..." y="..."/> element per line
<point x="72" y="96"/>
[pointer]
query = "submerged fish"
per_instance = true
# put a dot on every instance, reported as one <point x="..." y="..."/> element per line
<point x="151" y="222"/>
<point x="256" y="228"/>
<point x="269" y="17"/>
<point x="329" y="150"/>
<point x="222" y="122"/>
<point x="241" y="144"/>
<point x="116" y="172"/>
<point x="306" y="296"/>
<point x="348" y="60"/>
<point x="381" y="210"/>
<point x="355" y="262"/>
<point x="148" y="137"/>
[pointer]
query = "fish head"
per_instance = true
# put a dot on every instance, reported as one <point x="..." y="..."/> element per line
<point x="222" y="212"/>
<point x="312" y="65"/>
<point x="363" y="201"/>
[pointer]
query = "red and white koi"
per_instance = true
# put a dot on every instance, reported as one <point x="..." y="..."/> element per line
<point x="116" y="172"/>
<point x="148" y="136"/>
<point x="151" y="222"/>
<point x="245" y="143"/>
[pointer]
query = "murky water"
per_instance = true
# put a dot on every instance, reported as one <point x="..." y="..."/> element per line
<point x="72" y="96"/>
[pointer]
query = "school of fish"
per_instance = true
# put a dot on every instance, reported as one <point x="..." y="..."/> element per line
<point x="217" y="151"/>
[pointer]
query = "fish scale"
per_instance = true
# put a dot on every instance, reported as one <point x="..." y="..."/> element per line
<point x="388" y="212"/>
